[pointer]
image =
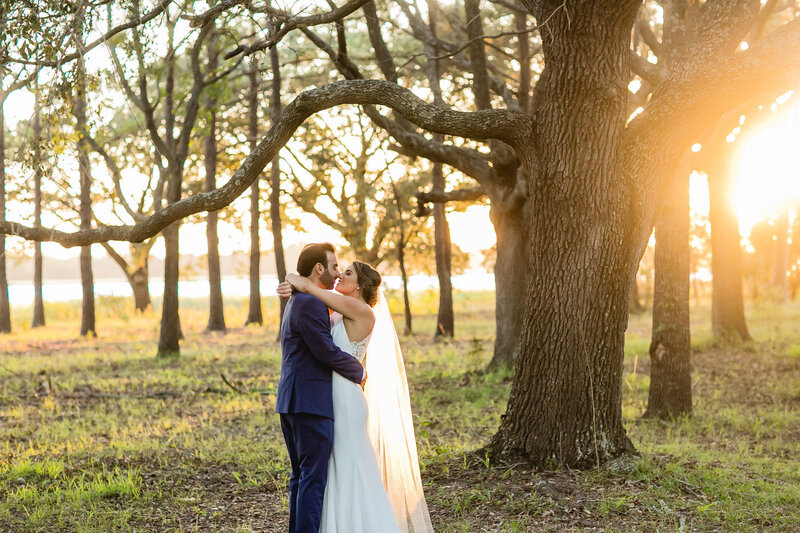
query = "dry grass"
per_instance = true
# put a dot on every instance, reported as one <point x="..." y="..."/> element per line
<point x="97" y="435"/>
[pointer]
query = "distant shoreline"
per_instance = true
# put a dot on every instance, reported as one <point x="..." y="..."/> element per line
<point x="54" y="290"/>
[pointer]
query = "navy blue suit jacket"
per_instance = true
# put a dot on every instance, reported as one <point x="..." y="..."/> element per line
<point x="308" y="358"/>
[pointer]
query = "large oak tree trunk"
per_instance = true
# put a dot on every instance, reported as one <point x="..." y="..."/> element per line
<point x="5" y="308"/>
<point x="510" y="274"/>
<point x="216" y="315"/>
<point x="88" y="326"/>
<point x="38" y="299"/>
<point x="565" y="401"/>
<point x="670" y="392"/>
<point x="254" y="315"/>
<point x="727" y="300"/>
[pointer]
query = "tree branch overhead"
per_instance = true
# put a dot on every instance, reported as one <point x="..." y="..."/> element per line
<point x="509" y="126"/>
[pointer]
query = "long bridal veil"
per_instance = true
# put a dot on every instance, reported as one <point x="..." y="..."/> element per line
<point x="390" y="426"/>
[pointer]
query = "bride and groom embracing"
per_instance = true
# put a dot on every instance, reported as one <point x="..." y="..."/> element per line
<point x="343" y="404"/>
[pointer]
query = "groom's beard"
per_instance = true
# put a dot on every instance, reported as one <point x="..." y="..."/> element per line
<point x="327" y="280"/>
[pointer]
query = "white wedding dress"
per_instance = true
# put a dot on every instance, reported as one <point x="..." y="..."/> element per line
<point x="355" y="499"/>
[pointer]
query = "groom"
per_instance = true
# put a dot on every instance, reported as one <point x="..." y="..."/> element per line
<point x="304" y="402"/>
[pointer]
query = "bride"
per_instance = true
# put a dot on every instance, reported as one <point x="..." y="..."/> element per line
<point x="373" y="483"/>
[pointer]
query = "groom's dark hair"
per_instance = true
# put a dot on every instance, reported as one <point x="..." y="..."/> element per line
<point x="311" y="255"/>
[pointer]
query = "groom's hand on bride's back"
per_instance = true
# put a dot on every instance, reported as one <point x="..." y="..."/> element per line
<point x="284" y="290"/>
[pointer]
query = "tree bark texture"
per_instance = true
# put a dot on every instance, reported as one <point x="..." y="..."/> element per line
<point x="88" y="326"/>
<point x="565" y="401"/>
<point x="510" y="275"/>
<point x="254" y="315"/>
<point x="38" y="300"/>
<point x="216" y="315"/>
<point x="275" y="181"/>
<point x="670" y="392"/>
<point x="727" y="300"/>
<point x="5" y="308"/>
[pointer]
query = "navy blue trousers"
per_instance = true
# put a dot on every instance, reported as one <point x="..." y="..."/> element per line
<point x="309" y="439"/>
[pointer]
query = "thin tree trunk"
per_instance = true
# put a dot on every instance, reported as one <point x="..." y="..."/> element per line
<point x="275" y="181"/>
<point x="139" y="276"/>
<point x="670" y="392"/>
<point x="216" y="315"/>
<point x="635" y="305"/>
<point x="88" y="326"/>
<point x="445" y="322"/>
<point x="254" y="315"/>
<point x="136" y="272"/>
<point x="727" y="299"/>
<point x="139" y="282"/>
<point x="5" y="308"/>
<point x="171" y="334"/>
<point x="401" y="260"/>
<point x="38" y="300"/>
<point x="445" y="326"/>
<point x="523" y="38"/>
<point x="780" y="282"/>
<point x="510" y="278"/>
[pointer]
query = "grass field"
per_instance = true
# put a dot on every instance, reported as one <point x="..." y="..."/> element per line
<point x="97" y="435"/>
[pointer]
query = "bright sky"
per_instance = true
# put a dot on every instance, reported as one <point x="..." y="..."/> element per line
<point x="768" y="177"/>
<point x="767" y="165"/>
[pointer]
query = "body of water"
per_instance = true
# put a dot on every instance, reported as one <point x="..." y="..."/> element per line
<point x="66" y="290"/>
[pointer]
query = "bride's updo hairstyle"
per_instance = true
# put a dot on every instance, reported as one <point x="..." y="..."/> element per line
<point x="368" y="281"/>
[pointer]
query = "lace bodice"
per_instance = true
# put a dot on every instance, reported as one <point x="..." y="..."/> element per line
<point x="340" y="338"/>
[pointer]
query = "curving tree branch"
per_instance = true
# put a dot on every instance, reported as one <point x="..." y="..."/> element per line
<point x="771" y="66"/>
<point x="196" y="21"/>
<point x="412" y="143"/>
<point x="511" y="127"/>
<point x="289" y="23"/>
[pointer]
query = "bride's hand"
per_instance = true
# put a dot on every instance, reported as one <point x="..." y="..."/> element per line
<point x="284" y="290"/>
<point x="298" y="282"/>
